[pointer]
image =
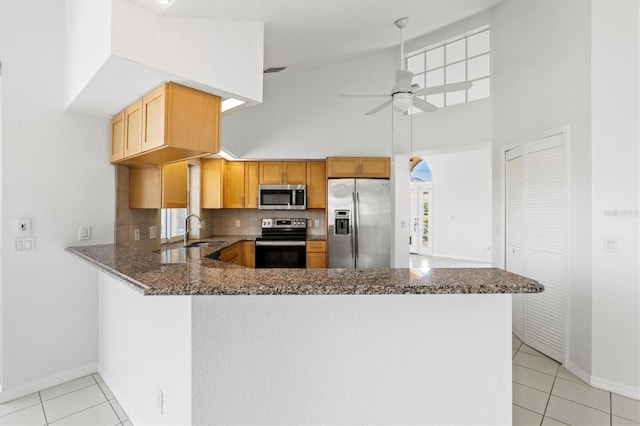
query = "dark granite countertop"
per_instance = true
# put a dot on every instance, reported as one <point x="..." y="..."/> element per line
<point x="177" y="270"/>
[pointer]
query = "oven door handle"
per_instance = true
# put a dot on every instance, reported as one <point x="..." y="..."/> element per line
<point x="280" y="243"/>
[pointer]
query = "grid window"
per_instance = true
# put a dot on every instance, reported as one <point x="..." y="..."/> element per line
<point x="463" y="58"/>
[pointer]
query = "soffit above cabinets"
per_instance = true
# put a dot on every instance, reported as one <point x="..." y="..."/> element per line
<point x="117" y="51"/>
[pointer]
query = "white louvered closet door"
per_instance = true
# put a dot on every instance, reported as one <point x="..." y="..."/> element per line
<point x="543" y="224"/>
<point x="514" y="250"/>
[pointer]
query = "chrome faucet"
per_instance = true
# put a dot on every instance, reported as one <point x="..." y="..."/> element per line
<point x="187" y="229"/>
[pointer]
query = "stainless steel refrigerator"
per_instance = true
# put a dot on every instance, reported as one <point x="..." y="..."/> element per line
<point x="359" y="223"/>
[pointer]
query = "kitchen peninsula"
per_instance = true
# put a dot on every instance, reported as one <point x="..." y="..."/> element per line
<point x="316" y="346"/>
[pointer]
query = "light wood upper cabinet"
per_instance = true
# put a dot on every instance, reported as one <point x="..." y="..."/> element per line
<point x="283" y="172"/>
<point x="233" y="185"/>
<point x="316" y="185"/>
<point x="372" y="167"/>
<point x="251" y="177"/>
<point x="117" y="137"/>
<point x="174" y="185"/>
<point x="158" y="187"/>
<point x="133" y="129"/>
<point x="169" y="124"/>
<point x="153" y="108"/>
<point x="211" y="183"/>
<point x="375" y="167"/>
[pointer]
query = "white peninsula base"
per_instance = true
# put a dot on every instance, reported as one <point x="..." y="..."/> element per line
<point x="370" y="359"/>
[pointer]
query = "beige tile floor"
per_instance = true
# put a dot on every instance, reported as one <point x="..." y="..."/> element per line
<point x="544" y="393"/>
<point x="84" y="401"/>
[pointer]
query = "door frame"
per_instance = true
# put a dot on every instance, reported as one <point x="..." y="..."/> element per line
<point x="565" y="131"/>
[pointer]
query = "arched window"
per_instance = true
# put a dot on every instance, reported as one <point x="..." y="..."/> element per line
<point x="420" y="170"/>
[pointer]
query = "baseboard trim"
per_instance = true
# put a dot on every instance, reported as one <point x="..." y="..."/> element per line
<point x="606" y="385"/>
<point x="618" y="388"/>
<point x="46" y="382"/>
<point x="115" y="390"/>
<point x="580" y="373"/>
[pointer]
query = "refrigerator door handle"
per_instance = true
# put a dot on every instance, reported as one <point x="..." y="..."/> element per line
<point x="357" y="226"/>
<point x="354" y="234"/>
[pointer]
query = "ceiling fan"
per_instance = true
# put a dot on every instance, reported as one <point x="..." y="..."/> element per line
<point x="404" y="94"/>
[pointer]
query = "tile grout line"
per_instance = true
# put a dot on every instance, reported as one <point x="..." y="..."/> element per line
<point x="549" y="397"/>
<point x="43" y="411"/>
<point x="84" y="409"/>
<point x="67" y="393"/>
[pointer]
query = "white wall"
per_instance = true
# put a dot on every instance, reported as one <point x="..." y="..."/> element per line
<point x="615" y="91"/>
<point x="541" y="80"/>
<point x="395" y="359"/>
<point x="55" y="170"/>
<point x="88" y="42"/>
<point x="145" y="346"/>
<point x="460" y="215"/>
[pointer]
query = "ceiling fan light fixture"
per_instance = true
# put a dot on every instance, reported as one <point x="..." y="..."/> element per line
<point x="402" y="101"/>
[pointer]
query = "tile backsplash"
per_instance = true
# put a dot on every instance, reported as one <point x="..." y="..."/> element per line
<point x="223" y="222"/>
<point x="128" y="220"/>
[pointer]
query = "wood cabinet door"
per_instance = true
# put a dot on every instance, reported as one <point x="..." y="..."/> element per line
<point x="342" y="167"/>
<point x="117" y="137"/>
<point x="153" y="108"/>
<point x="251" y="178"/>
<point x="232" y="254"/>
<point x="233" y="189"/>
<point x="193" y="119"/>
<point x="374" y="167"/>
<point x="174" y="185"/>
<point x="211" y="179"/>
<point x="316" y="260"/>
<point x="271" y="172"/>
<point x="316" y="185"/>
<point x="249" y="254"/>
<point x="133" y="129"/>
<point x="145" y="187"/>
<point x="295" y="172"/>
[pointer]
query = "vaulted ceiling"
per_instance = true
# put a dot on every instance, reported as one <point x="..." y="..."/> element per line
<point x="300" y="34"/>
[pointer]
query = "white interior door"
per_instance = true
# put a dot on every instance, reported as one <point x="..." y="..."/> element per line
<point x="535" y="239"/>
<point x="414" y="218"/>
<point x="425" y="217"/>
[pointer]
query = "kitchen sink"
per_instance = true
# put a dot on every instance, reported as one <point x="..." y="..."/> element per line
<point x="207" y="243"/>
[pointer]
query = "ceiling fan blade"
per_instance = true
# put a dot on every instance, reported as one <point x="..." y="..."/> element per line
<point x="380" y="107"/>
<point x="343" y="95"/>
<point x="452" y="87"/>
<point x="403" y="78"/>
<point x="424" y="106"/>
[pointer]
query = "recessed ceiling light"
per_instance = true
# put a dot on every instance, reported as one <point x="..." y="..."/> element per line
<point x="165" y="2"/>
<point x="230" y="103"/>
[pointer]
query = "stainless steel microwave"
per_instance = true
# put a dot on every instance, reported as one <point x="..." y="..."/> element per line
<point x="282" y="197"/>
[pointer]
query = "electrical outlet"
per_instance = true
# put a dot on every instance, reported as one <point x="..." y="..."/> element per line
<point x="136" y="234"/>
<point x="153" y="232"/>
<point x="237" y="224"/>
<point x="316" y="223"/>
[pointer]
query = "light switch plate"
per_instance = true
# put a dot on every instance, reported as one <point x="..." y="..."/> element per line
<point x="136" y="234"/>
<point x="237" y="224"/>
<point x="84" y="233"/>
<point x="153" y="232"/>
<point x="24" y="245"/>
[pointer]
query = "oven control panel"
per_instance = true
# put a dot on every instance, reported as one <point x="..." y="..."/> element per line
<point x="284" y="223"/>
